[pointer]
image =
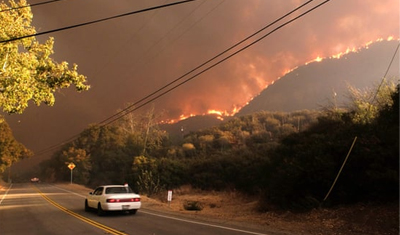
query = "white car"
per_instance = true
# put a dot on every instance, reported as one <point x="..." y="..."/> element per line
<point x="35" y="180"/>
<point x="113" y="198"/>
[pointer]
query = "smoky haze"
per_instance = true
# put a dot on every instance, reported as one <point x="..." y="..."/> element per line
<point x="126" y="59"/>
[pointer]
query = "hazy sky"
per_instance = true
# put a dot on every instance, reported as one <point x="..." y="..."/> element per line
<point x="128" y="58"/>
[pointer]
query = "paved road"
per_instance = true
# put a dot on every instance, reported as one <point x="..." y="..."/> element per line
<point x="46" y="209"/>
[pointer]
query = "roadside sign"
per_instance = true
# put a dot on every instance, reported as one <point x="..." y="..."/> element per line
<point x="71" y="166"/>
<point x="169" y="195"/>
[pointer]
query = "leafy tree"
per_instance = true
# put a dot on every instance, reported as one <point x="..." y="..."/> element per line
<point x="11" y="151"/>
<point x="303" y="165"/>
<point x="143" y="132"/>
<point x="388" y="119"/>
<point x="173" y="172"/>
<point x="188" y="149"/>
<point x="111" y="161"/>
<point x="82" y="161"/>
<point x="206" y="142"/>
<point x="224" y="140"/>
<point x="288" y="159"/>
<point x="148" y="180"/>
<point x="272" y="124"/>
<point x="27" y="72"/>
<point x="79" y="151"/>
<point x="365" y="104"/>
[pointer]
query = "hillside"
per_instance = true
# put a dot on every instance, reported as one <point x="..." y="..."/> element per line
<point x="179" y="129"/>
<point x="314" y="85"/>
<point x="311" y="86"/>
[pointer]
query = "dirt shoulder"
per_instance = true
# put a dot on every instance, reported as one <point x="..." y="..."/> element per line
<point x="233" y="208"/>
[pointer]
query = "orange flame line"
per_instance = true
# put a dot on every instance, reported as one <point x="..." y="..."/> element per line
<point x="236" y="109"/>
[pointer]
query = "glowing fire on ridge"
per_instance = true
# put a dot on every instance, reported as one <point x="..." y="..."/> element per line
<point x="222" y="114"/>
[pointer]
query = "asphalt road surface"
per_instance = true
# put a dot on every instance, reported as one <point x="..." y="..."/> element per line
<point x="47" y="209"/>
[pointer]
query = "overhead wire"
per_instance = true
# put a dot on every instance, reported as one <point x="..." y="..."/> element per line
<point x="75" y="136"/>
<point x="367" y="113"/>
<point x="206" y="62"/>
<point x="96" y="21"/>
<point x="55" y="146"/>
<point x="386" y="73"/>
<point x="176" y="38"/>
<point x="111" y="57"/>
<point x="148" y="50"/>
<point x="133" y="107"/>
<point x="217" y="63"/>
<point x="135" y="34"/>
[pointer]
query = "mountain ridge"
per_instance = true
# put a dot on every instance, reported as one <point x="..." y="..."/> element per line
<point x="310" y="86"/>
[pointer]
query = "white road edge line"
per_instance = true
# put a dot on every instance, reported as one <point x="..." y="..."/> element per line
<point x="183" y="220"/>
<point x="5" y="194"/>
<point x="205" y="224"/>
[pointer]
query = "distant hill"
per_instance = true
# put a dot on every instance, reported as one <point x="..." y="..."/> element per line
<point x="311" y="86"/>
<point x="179" y="129"/>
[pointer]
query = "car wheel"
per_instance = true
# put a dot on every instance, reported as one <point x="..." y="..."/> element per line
<point x="100" y="210"/>
<point x="133" y="211"/>
<point x="87" y="208"/>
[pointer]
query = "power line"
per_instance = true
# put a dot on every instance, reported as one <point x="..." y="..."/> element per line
<point x="55" y="146"/>
<point x="391" y="61"/>
<point x="96" y="21"/>
<point x="170" y="83"/>
<point x="387" y="71"/>
<point x="217" y="63"/>
<point x="122" y="45"/>
<point x="208" y="61"/>
<point x="128" y="110"/>
<point x="139" y="60"/>
<point x="175" y="39"/>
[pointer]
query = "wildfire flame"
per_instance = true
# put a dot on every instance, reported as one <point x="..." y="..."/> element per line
<point x="221" y="114"/>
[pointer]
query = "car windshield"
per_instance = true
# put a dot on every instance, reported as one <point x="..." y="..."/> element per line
<point x="114" y="190"/>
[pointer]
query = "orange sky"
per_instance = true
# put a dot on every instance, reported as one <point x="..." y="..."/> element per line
<point x="166" y="45"/>
<point x="128" y="58"/>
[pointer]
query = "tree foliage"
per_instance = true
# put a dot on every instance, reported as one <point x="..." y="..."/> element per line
<point x="27" y="71"/>
<point x="105" y="154"/>
<point x="289" y="160"/>
<point x="11" y="151"/>
<point x="304" y="165"/>
<point x="365" y="104"/>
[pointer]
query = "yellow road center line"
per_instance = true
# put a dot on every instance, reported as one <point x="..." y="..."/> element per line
<point x="78" y="216"/>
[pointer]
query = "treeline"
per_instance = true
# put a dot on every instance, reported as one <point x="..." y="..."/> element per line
<point x="289" y="160"/>
<point x="11" y="151"/>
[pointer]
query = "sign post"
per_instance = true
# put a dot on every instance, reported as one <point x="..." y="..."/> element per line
<point x="71" y="166"/>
